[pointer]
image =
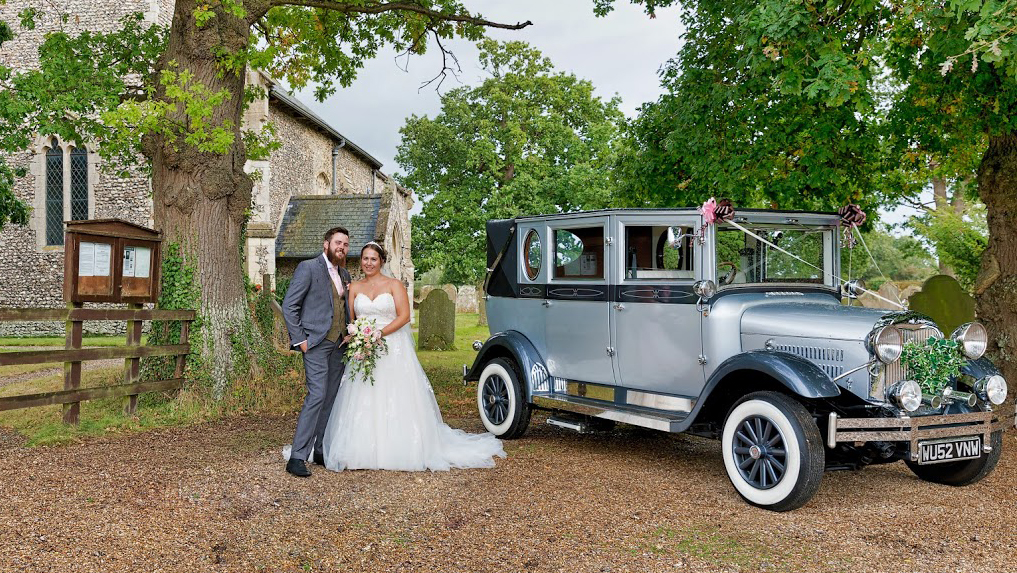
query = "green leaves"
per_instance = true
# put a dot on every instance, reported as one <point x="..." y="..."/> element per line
<point x="527" y="140"/>
<point x="932" y="363"/>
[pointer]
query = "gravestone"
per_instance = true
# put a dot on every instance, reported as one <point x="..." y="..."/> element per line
<point x="437" y="320"/>
<point x="943" y="299"/>
<point x="888" y="290"/>
<point x="424" y="291"/>
<point x="908" y="292"/>
<point x="466" y="300"/>
<point x="451" y="291"/>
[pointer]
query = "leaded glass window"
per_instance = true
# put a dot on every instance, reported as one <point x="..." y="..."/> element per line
<point x="79" y="184"/>
<point x="55" y="195"/>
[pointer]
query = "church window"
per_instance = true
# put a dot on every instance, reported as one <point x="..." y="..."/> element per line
<point x="55" y="195"/>
<point x="79" y="184"/>
<point x="65" y="188"/>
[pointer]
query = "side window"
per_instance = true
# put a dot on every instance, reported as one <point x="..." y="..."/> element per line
<point x="659" y="252"/>
<point x="579" y="253"/>
<point x="531" y="255"/>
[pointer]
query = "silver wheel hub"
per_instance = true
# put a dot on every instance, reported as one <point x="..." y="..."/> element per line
<point x="755" y="452"/>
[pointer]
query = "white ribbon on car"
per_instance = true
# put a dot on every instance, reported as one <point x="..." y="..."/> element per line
<point x="796" y="257"/>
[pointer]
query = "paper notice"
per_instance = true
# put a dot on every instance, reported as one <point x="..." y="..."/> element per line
<point x="142" y="262"/>
<point x="129" y="261"/>
<point x="86" y="259"/>
<point x="103" y="252"/>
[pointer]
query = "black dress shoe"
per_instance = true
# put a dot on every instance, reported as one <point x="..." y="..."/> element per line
<point x="319" y="458"/>
<point x="298" y="468"/>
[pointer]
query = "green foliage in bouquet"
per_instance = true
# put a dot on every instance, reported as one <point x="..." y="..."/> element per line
<point x="932" y="363"/>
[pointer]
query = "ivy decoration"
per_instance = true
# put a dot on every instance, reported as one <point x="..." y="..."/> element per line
<point x="932" y="363"/>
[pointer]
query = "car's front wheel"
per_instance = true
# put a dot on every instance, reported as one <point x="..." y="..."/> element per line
<point x="773" y="451"/>
<point x="964" y="472"/>
<point x="502" y="401"/>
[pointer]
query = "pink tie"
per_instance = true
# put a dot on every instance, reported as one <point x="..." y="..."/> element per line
<point x="335" y="279"/>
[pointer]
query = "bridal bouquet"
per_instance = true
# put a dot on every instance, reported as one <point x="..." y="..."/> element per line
<point x="364" y="347"/>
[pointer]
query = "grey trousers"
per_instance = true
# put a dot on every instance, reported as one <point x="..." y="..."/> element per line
<point x="323" y="366"/>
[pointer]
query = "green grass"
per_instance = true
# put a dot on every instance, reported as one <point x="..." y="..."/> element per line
<point x="59" y="341"/>
<point x="44" y="425"/>
<point x="445" y="369"/>
<point x="711" y="544"/>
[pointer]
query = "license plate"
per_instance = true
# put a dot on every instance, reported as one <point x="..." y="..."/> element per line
<point x="949" y="450"/>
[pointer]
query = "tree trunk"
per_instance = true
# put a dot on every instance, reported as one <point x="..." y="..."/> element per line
<point x="996" y="287"/>
<point x="939" y="194"/>
<point x="200" y="198"/>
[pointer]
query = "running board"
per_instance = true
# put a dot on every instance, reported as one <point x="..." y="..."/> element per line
<point x="625" y="414"/>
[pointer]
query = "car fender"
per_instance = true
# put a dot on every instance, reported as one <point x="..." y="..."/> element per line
<point x="980" y="368"/>
<point x="799" y="375"/>
<point x="515" y="345"/>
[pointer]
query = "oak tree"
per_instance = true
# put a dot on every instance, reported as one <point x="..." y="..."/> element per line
<point x="175" y="98"/>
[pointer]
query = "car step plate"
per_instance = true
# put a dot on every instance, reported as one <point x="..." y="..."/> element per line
<point x="949" y="450"/>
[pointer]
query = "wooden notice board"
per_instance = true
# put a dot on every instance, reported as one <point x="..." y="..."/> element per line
<point x="110" y="260"/>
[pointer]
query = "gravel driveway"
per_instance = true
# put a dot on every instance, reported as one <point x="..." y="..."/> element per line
<point x="215" y="498"/>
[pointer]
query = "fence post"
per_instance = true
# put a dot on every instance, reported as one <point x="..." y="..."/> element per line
<point x="132" y="366"/>
<point x="72" y="370"/>
<point x="185" y="327"/>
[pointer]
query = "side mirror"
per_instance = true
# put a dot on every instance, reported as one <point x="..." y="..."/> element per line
<point x="853" y="288"/>
<point x="704" y="289"/>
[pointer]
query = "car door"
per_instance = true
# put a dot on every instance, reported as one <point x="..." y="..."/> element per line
<point x="577" y="327"/>
<point x="657" y="330"/>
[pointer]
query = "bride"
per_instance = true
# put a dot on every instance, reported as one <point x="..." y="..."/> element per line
<point x="395" y="423"/>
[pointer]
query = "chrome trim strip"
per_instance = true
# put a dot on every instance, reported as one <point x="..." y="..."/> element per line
<point x="831" y="431"/>
<point x="659" y="401"/>
<point x="662" y="421"/>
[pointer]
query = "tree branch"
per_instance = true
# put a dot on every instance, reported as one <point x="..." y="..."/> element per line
<point x="382" y="7"/>
<point x="446" y="54"/>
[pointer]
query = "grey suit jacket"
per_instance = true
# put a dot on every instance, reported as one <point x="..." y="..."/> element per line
<point x="307" y="306"/>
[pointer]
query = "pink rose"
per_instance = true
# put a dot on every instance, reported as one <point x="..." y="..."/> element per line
<point x="351" y="328"/>
<point x="358" y="356"/>
<point x="377" y="335"/>
<point x="709" y="211"/>
<point x="367" y="330"/>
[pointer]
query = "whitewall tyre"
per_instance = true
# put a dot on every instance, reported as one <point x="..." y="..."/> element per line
<point x="501" y="400"/>
<point x="773" y="451"/>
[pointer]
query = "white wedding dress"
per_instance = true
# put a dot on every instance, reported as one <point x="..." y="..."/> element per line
<point x="395" y="424"/>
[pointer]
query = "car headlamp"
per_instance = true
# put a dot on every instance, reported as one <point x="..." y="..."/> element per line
<point x="992" y="389"/>
<point x="972" y="339"/>
<point x="907" y="394"/>
<point x="887" y="344"/>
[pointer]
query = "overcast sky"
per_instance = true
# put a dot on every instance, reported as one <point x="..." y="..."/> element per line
<point x="620" y="54"/>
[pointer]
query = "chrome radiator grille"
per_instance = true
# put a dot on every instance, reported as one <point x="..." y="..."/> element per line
<point x="822" y="357"/>
<point x="893" y="373"/>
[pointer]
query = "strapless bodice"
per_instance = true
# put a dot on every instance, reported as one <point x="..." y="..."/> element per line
<point x="380" y="308"/>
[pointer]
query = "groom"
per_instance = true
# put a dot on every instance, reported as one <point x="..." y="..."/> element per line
<point x="316" y="312"/>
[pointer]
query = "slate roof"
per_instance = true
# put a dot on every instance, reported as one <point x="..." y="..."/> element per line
<point x="307" y="217"/>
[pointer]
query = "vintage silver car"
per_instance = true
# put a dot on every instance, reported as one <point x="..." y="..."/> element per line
<point x="732" y="331"/>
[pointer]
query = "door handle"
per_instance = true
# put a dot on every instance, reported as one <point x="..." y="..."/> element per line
<point x="546" y="303"/>
<point x="619" y="306"/>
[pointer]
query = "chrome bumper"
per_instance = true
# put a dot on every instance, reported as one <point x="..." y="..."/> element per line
<point x="912" y="429"/>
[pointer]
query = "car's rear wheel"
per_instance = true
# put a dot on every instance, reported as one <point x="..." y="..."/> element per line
<point x="964" y="472"/>
<point x="773" y="452"/>
<point x="502" y="401"/>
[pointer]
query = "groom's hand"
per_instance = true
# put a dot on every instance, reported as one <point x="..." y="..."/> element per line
<point x="303" y="346"/>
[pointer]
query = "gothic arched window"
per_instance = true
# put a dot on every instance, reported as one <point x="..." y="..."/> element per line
<point x="55" y="194"/>
<point x="79" y="184"/>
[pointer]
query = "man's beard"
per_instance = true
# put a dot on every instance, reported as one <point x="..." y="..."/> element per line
<point x="335" y="258"/>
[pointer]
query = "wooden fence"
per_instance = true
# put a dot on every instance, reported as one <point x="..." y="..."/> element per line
<point x="73" y="355"/>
